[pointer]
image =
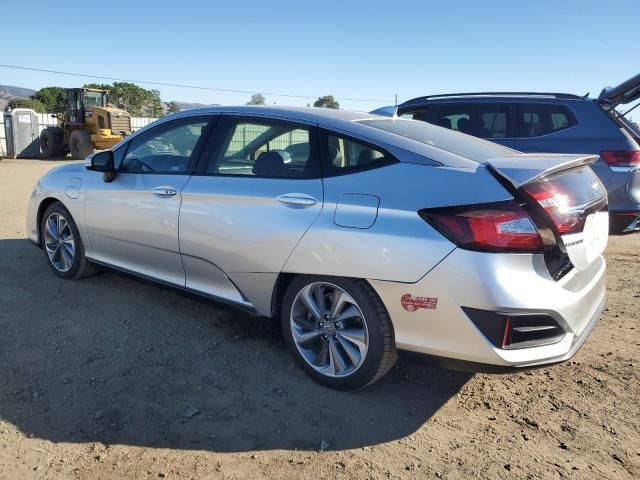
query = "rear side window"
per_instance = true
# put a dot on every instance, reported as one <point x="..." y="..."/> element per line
<point x="344" y="155"/>
<point x="491" y="120"/>
<point x="480" y="120"/>
<point x="535" y="120"/>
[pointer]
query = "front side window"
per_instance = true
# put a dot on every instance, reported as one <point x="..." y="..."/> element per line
<point x="264" y="149"/>
<point x="535" y="120"/>
<point x="168" y="151"/>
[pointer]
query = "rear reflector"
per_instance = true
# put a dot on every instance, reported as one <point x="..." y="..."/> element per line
<point x="621" y="158"/>
<point x="493" y="227"/>
<point x="509" y="331"/>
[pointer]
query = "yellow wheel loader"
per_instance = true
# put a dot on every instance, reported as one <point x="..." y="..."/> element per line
<point x="87" y="124"/>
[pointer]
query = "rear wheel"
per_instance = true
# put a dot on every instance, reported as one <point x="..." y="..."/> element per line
<point x="62" y="244"/>
<point x="338" y="330"/>
<point x="80" y="144"/>
<point x="51" y="142"/>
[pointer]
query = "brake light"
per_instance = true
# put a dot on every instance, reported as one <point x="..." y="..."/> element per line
<point x="494" y="227"/>
<point x="558" y="206"/>
<point x="621" y="158"/>
<point x="568" y="197"/>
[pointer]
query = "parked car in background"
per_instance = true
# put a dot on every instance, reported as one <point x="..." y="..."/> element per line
<point x="359" y="241"/>
<point x="556" y="123"/>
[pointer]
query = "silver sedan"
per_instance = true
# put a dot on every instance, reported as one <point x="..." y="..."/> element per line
<point x="363" y="234"/>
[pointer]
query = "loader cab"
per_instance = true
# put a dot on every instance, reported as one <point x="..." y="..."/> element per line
<point x="78" y="99"/>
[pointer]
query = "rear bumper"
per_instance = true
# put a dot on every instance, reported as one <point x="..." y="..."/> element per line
<point x="516" y="284"/>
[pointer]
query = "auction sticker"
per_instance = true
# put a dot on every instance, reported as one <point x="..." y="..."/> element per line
<point x="411" y="303"/>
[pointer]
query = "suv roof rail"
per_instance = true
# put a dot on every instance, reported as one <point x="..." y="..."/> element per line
<point x="486" y="94"/>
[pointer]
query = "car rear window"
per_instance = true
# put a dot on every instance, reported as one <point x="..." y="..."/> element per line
<point x="441" y="138"/>
<point x="536" y="120"/>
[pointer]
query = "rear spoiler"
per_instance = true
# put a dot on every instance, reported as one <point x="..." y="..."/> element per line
<point x="521" y="169"/>
<point x="389" y="111"/>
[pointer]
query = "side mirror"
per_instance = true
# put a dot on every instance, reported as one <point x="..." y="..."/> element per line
<point x="102" y="162"/>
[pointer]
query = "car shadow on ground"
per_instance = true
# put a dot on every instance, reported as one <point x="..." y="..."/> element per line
<point x="114" y="360"/>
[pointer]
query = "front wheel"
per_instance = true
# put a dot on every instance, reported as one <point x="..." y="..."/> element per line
<point x="62" y="244"/>
<point x="338" y="330"/>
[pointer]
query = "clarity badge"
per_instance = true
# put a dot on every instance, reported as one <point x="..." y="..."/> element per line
<point x="411" y="303"/>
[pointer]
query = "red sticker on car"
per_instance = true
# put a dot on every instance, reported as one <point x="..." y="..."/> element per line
<point x="411" y="303"/>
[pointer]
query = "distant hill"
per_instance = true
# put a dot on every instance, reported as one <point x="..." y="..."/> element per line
<point x="9" y="92"/>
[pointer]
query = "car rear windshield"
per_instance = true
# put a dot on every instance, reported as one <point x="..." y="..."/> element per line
<point x="453" y="142"/>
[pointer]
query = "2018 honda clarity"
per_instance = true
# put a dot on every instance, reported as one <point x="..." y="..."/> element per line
<point x="363" y="234"/>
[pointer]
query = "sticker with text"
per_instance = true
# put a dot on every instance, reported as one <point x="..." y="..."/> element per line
<point x="411" y="303"/>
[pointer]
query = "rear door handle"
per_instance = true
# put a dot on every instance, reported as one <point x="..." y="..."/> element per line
<point x="297" y="199"/>
<point x="164" y="191"/>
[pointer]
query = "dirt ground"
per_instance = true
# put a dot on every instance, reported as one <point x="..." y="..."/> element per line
<point x="111" y="378"/>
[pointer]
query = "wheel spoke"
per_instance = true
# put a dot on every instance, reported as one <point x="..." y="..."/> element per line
<point x="67" y="259"/>
<point x="350" y="312"/>
<point x="321" y="357"/>
<point x="356" y="336"/>
<point x="310" y="302"/>
<point x="304" y="338"/>
<point x="336" y="361"/>
<point x="321" y="301"/>
<point x="338" y="302"/>
<point x="352" y="352"/>
<point x="52" y="227"/>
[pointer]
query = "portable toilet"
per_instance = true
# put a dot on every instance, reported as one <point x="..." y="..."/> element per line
<point x="22" y="133"/>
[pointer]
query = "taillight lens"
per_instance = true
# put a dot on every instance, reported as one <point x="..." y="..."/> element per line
<point x="494" y="227"/>
<point x="621" y="158"/>
<point x="568" y="197"/>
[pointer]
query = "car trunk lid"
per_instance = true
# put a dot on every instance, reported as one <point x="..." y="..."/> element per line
<point x="565" y="196"/>
<point x="626" y="92"/>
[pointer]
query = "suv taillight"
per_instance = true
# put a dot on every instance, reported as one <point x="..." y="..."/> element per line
<point x="621" y="158"/>
<point x="492" y="227"/>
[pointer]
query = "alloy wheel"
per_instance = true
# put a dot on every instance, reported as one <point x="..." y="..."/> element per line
<point x="329" y="329"/>
<point x="59" y="242"/>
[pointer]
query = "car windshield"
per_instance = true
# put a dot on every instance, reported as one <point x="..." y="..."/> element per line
<point x="442" y="138"/>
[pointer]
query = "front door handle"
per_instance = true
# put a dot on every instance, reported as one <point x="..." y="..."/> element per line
<point x="297" y="199"/>
<point x="164" y="191"/>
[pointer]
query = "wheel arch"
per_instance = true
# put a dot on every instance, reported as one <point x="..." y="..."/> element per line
<point x="42" y="207"/>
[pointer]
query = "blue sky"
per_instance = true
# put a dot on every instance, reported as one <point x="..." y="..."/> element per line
<point x="351" y="49"/>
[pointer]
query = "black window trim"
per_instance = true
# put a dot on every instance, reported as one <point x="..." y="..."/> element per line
<point x="329" y="170"/>
<point x="215" y="143"/>
<point x="211" y="119"/>
<point x="560" y="105"/>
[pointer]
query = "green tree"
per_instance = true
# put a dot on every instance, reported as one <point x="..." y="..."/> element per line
<point x="53" y="98"/>
<point x="132" y="98"/>
<point x="157" y="109"/>
<point x="32" y="103"/>
<point x="257" y="99"/>
<point x="173" y="107"/>
<point x="326" y="102"/>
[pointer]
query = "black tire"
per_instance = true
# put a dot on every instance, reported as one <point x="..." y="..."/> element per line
<point x="51" y="143"/>
<point x="618" y="224"/>
<point x="80" y="266"/>
<point x="381" y="353"/>
<point x="80" y="144"/>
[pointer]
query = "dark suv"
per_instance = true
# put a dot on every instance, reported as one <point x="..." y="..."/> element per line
<point x="554" y="123"/>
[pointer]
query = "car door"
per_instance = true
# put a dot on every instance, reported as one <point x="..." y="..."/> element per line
<point x="132" y="221"/>
<point x="257" y="190"/>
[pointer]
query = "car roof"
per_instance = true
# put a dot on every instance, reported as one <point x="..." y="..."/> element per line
<point x="325" y="116"/>
<point x="480" y="97"/>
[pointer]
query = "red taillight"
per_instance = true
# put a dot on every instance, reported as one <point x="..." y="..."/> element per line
<point x="557" y="204"/>
<point x="497" y="227"/>
<point x="621" y="158"/>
